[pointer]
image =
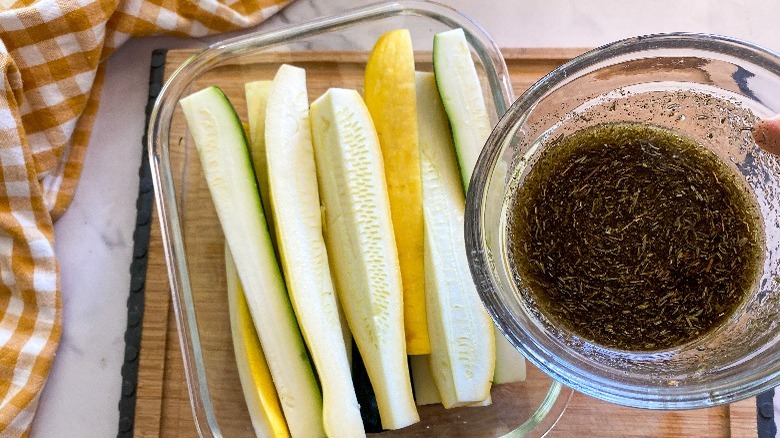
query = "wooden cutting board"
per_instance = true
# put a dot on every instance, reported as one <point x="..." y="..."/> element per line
<point x="162" y="402"/>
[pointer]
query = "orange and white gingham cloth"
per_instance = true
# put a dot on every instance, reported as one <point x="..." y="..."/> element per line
<point x="52" y="55"/>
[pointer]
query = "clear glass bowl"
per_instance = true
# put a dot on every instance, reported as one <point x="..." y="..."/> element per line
<point x="334" y="51"/>
<point x="714" y="90"/>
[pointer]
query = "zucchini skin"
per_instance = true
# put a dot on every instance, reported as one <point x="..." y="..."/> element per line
<point x="221" y="143"/>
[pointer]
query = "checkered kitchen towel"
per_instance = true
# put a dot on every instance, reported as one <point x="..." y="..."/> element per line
<point x="52" y="55"/>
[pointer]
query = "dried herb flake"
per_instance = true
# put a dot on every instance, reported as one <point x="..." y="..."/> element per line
<point x="633" y="236"/>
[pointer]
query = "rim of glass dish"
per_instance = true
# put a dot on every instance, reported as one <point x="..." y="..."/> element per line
<point x="741" y="386"/>
<point x="557" y="398"/>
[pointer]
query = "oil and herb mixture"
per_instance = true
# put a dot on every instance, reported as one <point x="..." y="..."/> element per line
<point x="633" y="237"/>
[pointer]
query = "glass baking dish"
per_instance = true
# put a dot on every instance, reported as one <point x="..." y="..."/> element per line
<point x="333" y="51"/>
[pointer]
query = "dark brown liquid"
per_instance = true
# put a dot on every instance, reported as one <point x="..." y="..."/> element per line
<point x="633" y="237"/>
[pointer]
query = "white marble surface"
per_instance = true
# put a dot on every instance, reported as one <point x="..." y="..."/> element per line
<point x="94" y="238"/>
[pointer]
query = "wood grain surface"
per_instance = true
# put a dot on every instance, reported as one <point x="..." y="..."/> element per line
<point x="163" y="404"/>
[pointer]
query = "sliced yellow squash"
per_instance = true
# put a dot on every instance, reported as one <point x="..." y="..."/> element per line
<point x="295" y="202"/>
<point x="390" y="98"/>
<point x="256" y="382"/>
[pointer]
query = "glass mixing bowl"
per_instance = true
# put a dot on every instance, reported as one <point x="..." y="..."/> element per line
<point x="712" y="89"/>
<point x="334" y="51"/>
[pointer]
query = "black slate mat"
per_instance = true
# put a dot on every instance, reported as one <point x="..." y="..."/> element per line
<point x="143" y="222"/>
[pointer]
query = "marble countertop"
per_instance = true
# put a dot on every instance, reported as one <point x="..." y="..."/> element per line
<point x="94" y="238"/>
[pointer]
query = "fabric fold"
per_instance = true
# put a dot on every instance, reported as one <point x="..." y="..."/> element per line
<point x="52" y="55"/>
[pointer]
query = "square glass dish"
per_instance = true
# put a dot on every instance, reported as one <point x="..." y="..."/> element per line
<point x="333" y="51"/>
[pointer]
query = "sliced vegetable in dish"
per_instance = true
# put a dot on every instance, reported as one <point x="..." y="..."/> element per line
<point x="361" y="245"/>
<point x="256" y="101"/>
<point x="425" y="390"/>
<point x="256" y="381"/>
<point x="295" y="202"/>
<point x="464" y="101"/>
<point x="221" y="144"/>
<point x="462" y="345"/>
<point x="461" y="94"/>
<point x="510" y="364"/>
<point x="390" y="98"/>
